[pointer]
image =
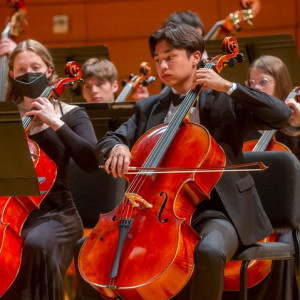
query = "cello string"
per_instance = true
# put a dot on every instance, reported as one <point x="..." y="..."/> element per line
<point x="26" y="121"/>
<point x="266" y="137"/>
<point x="124" y="93"/>
<point x="264" y="140"/>
<point x="164" y="141"/>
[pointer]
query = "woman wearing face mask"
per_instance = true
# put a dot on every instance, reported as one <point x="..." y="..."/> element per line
<point x="63" y="132"/>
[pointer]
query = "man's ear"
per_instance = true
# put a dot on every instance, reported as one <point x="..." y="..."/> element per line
<point x="11" y="74"/>
<point x="196" y="58"/>
<point x="115" y="86"/>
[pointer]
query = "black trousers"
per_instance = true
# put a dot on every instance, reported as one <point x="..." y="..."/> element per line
<point x="218" y="244"/>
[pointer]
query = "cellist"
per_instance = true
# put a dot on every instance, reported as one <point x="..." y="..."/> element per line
<point x="62" y="131"/>
<point x="234" y="215"/>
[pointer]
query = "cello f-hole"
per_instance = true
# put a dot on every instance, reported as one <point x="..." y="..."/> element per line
<point x="162" y="208"/>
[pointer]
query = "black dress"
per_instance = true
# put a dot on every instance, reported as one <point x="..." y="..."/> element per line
<point x="50" y="232"/>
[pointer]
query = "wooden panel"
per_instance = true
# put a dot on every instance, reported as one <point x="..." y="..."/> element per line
<point x="41" y="28"/>
<point x="125" y="25"/>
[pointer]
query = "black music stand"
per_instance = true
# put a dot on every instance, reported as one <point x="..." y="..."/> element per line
<point x="17" y="173"/>
<point x="108" y="116"/>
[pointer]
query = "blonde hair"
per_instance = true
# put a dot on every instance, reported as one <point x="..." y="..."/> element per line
<point x="275" y="67"/>
<point x="102" y="69"/>
<point x="28" y="45"/>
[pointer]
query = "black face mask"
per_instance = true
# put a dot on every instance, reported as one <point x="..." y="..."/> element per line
<point x="31" y="84"/>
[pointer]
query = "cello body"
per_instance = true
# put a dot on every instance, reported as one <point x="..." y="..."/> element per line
<point x="14" y="212"/>
<point x="157" y="254"/>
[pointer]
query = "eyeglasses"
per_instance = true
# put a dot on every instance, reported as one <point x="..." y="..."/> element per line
<point x="263" y="82"/>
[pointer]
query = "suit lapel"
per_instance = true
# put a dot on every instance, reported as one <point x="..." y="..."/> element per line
<point x="159" y="111"/>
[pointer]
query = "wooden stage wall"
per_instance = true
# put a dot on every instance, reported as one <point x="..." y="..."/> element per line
<point x="124" y="25"/>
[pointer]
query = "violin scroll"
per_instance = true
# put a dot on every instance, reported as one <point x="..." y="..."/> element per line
<point x="73" y="70"/>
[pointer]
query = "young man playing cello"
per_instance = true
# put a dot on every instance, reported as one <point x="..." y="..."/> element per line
<point x="234" y="215"/>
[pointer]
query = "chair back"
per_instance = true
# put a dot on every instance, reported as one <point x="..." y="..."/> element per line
<point x="94" y="193"/>
<point x="278" y="186"/>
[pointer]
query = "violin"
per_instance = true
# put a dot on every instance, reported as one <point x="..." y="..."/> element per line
<point x="232" y="22"/>
<point x="15" y="209"/>
<point x="267" y="142"/>
<point x="14" y="26"/>
<point x="144" y="248"/>
<point x="132" y="85"/>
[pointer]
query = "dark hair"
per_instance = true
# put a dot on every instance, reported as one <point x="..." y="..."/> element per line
<point x="275" y="67"/>
<point x="181" y="36"/>
<point x="186" y="17"/>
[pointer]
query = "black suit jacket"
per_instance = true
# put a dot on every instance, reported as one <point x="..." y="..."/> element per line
<point x="228" y="119"/>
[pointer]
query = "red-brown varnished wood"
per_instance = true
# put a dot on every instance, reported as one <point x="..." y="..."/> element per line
<point x="157" y="259"/>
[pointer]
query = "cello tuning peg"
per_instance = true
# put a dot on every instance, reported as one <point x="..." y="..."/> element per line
<point x="240" y="58"/>
<point x="148" y="80"/>
<point x="231" y="62"/>
<point x="131" y="76"/>
<point x="123" y="83"/>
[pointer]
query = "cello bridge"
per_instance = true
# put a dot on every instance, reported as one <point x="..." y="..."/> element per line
<point x="135" y="198"/>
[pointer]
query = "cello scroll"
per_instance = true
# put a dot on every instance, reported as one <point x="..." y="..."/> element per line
<point x="232" y="22"/>
<point x="132" y="85"/>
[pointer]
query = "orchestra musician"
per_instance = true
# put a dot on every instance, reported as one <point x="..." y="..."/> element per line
<point x="101" y="82"/>
<point x="269" y="74"/>
<point x="186" y="17"/>
<point x="63" y="132"/>
<point x="229" y="111"/>
<point x="190" y="18"/>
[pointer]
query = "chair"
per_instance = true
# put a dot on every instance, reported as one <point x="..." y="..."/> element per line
<point x="279" y="190"/>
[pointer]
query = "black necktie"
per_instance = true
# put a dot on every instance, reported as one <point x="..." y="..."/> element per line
<point x="176" y="99"/>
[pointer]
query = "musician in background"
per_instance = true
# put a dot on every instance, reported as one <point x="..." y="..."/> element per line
<point x="269" y="74"/>
<point x="101" y="82"/>
<point x="63" y="132"/>
<point x="226" y="109"/>
<point x="186" y="17"/>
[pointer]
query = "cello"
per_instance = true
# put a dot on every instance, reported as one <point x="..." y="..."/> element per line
<point x="157" y="208"/>
<point x="267" y="142"/>
<point x="132" y="85"/>
<point x="15" y="209"/>
<point x="12" y="29"/>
